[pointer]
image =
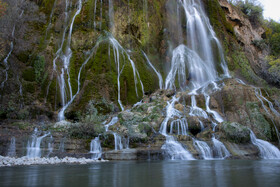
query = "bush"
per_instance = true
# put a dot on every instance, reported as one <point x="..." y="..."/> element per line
<point x="39" y="68"/>
<point x="252" y="9"/>
<point x="274" y="68"/>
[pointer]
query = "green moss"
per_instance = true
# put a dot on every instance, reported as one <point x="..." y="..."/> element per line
<point x="258" y="121"/>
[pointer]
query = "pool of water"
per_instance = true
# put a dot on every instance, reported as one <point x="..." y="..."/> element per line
<point x="143" y="173"/>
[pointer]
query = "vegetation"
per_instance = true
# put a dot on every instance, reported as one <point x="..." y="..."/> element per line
<point x="252" y="9"/>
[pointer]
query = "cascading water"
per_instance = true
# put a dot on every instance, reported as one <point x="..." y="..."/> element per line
<point x="204" y="149"/>
<point x="7" y="58"/>
<point x="181" y="126"/>
<point x="33" y="146"/>
<point x="259" y="95"/>
<point x="12" y="148"/>
<point x="158" y="74"/>
<point x="112" y="122"/>
<point x="118" y="138"/>
<point x="65" y="56"/>
<point x="220" y="151"/>
<point x="195" y="110"/>
<point x="173" y="149"/>
<point x="118" y="142"/>
<point x="267" y="150"/>
<point x="50" y="146"/>
<point x="95" y="149"/>
<point x="198" y="55"/>
<point x="215" y="114"/>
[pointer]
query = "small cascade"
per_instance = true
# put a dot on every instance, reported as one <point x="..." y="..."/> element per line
<point x="180" y="125"/>
<point x="12" y="148"/>
<point x="126" y="142"/>
<point x="118" y="142"/>
<point x="220" y="150"/>
<point x="201" y="125"/>
<point x="195" y="110"/>
<point x="267" y="150"/>
<point x="204" y="149"/>
<point x="260" y="97"/>
<point x="50" y="146"/>
<point x="66" y="57"/>
<point x="175" y="151"/>
<point x="215" y="114"/>
<point x="112" y="122"/>
<point x="50" y="19"/>
<point x="158" y="74"/>
<point x="33" y="146"/>
<point x="96" y="149"/>
<point x="7" y="58"/>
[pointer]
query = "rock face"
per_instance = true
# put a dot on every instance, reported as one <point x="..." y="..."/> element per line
<point x="237" y="103"/>
<point x="246" y="34"/>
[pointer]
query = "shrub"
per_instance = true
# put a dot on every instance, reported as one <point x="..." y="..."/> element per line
<point x="252" y="9"/>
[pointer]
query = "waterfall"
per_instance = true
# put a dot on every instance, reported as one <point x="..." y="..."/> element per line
<point x="198" y="55"/>
<point x="33" y="146"/>
<point x="66" y="57"/>
<point x="12" y="148"/>
<point x="267" y="150"/>
<point x="195" y="110"/>
<point x="158" y="74"/>
<point x="215" y="114"/>
<point x="220" y="150"/>
<point x="50" y="19"/>
<point x="204" y="149"/>
<point x="7" y="58"/>
<point x="260" y="97"/>
<point x="171" y="147"/>
<point x="50" y="146"/>
<point x="112" y="122"/>
<point x="181" y="125"/>
<point x="96" y="149"/>
<point x="118" y="142"/>
<point x="175" y="151"/>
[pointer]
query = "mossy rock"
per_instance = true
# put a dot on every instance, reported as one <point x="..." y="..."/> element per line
<point x="261" y="126"/>
<point x="235" y="132"/>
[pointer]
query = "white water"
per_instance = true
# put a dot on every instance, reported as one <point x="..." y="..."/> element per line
<point x="66" y="57"/>
<point x="118" y="142"/>
<point x="215" y="114"/>
<point x="112" y="122"/>
<point x="33" y="146"/>
<point x="220" y="151"/>
<point x="157" y="72"/>
<point x="180" y="125"/>
<point x="204" y="149"/>
<point x="12" y="148"/>
<point x="198" y="57"/>
<point x="195" y="110"/>
<point x="259" y="95"/>
<point x="7" y="58"/>
<point x="173" y="148"/>
<point x="50" y="19"/>
<point x="267" y="150"/>
<point x="96" y="149"/>
<point x="50" y="146"/>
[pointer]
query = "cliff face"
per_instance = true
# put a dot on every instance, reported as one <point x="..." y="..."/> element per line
<point x="247" y="36"/>
<point x="41" y="41"/>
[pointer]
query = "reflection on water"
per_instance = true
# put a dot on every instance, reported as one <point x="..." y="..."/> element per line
<point x="219" y="173"/>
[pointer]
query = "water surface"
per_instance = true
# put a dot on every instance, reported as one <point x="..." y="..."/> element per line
<point x="143" y="174"/>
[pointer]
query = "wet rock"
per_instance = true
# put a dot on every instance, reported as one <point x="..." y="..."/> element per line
<point x="235" y="132"/>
